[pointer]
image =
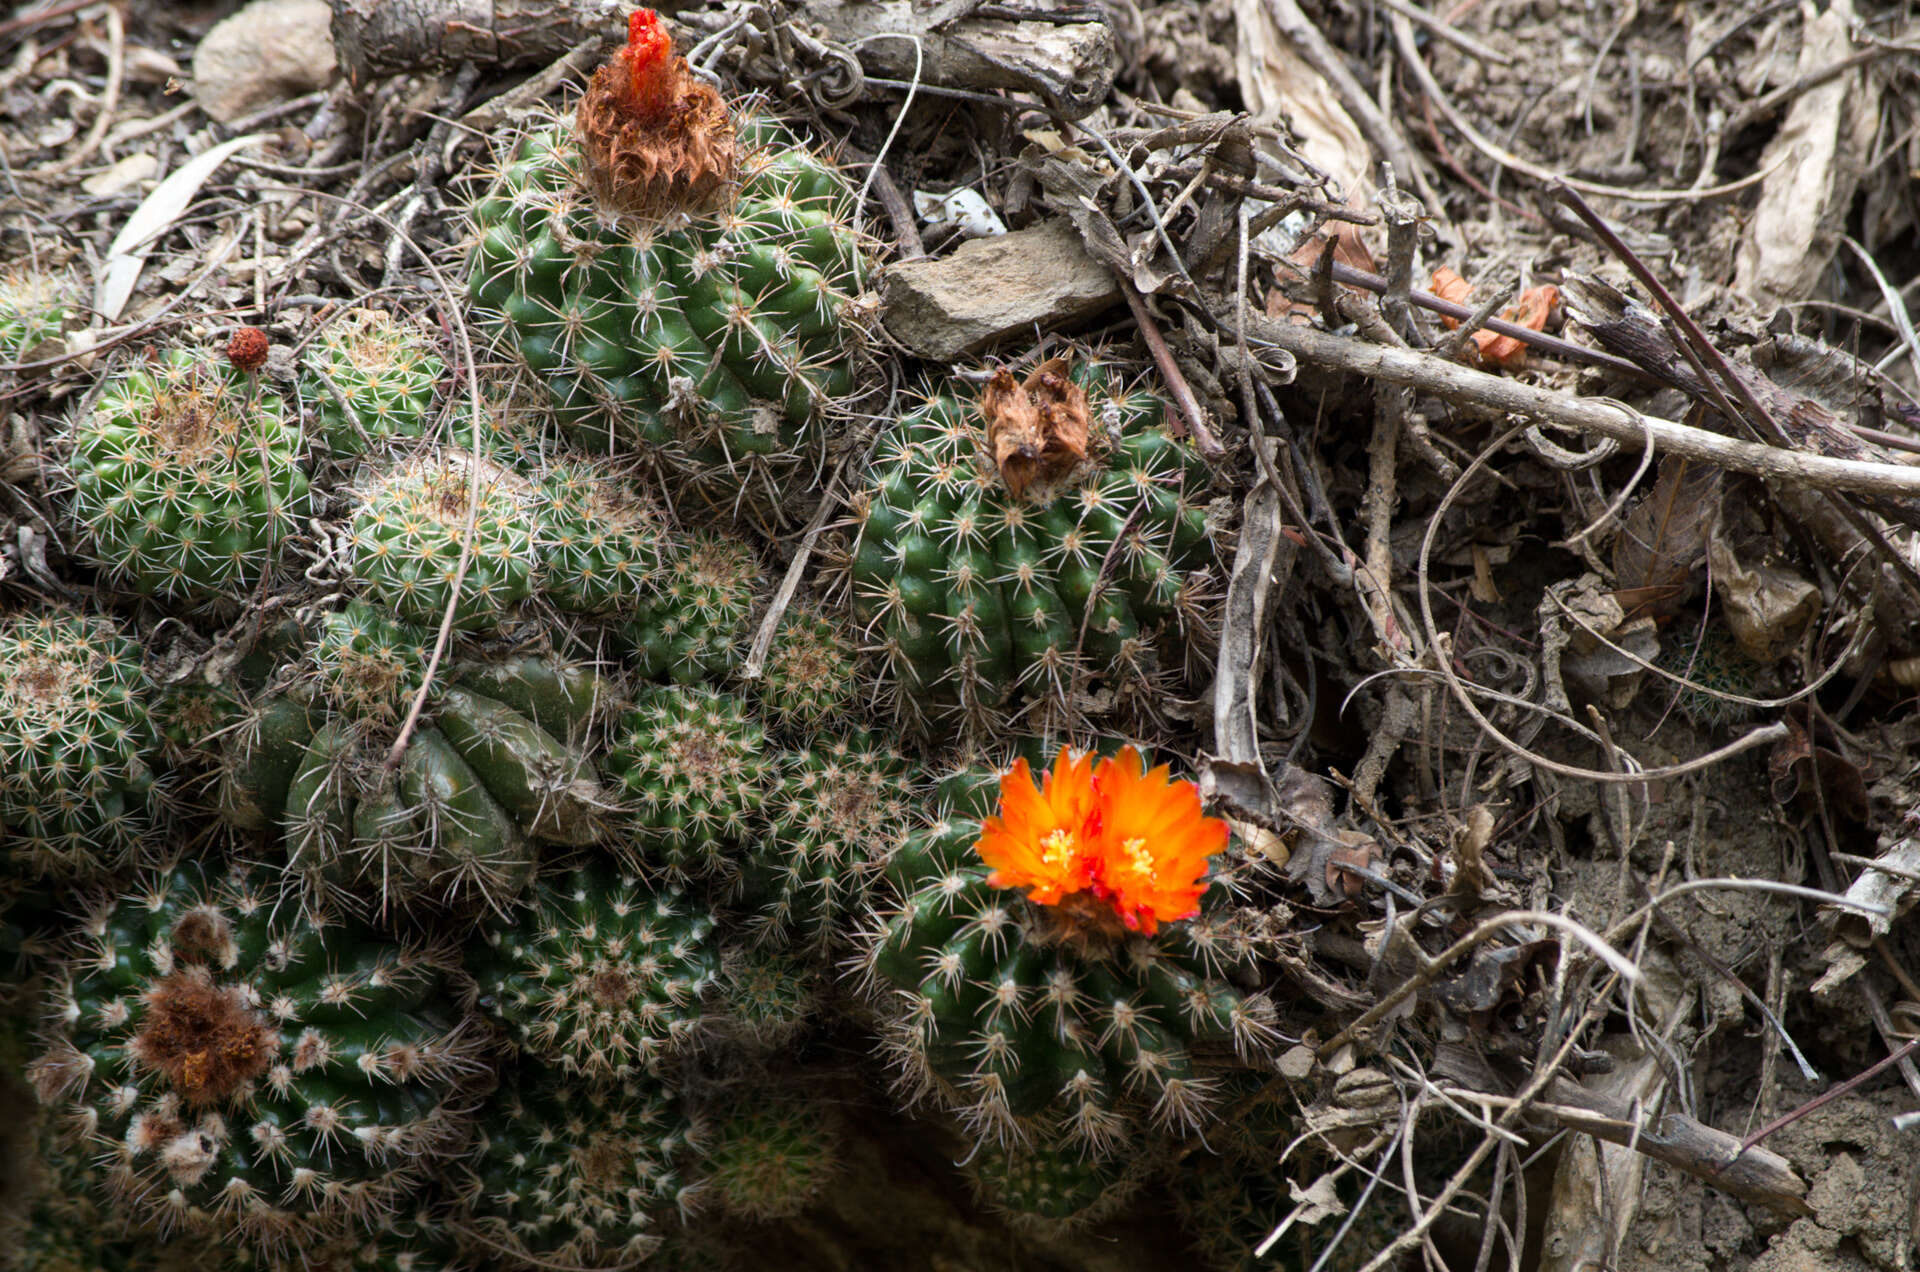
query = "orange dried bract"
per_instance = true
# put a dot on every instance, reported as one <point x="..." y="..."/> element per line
<point x="1449" y="286"/>
<point x="1036" y="429"/>
<point x="654" y="139"/>
<point x="247" y="349"/>
<point x="1530" y="311"/>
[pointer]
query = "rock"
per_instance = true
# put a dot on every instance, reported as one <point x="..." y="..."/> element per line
<point x="989" y="289"/>
<point x="268" y="52"/>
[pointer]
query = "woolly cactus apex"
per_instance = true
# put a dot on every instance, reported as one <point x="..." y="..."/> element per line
<point x="600" y="542"/>
<point x="654" y="139"/>
<point x="604" y="977"/>
<point x="186" y="478"/>
<point x="370" y="378"/>
<point x="1009" y="559"/>
<point x="692" y="624"/>
<point x="810" y="677"/>
<point x="692" y="769"/>
<point x="1053" y="1020"/>
<point x="1050" y="1190"/>
<point x="572" y="1176"/>
<point x="834" y="811"/>
<point x="77" y="746"/>
<point x="410" y="528"/>
<point x="770" y="1159"/>
<point x="239" y="1069"/>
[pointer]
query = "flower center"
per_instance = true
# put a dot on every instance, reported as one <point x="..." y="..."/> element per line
<point x="1139" y="858"/>
<point x="1057" y="849"/>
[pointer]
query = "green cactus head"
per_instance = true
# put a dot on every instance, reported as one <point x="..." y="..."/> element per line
<point x="187" y="479"/>
<point x="444" y="529"/>
<point x="601" y="542"/>
<point x="35" y="306"/>
<point x="367" y="666"/>
<point x="370" y="378"/>
<point x="692" y="768"/>
<point x="77" y="744"/>
<point x="692" y="625"/>
<point x="811" y="673"/>
<point x="769" y="1159"/>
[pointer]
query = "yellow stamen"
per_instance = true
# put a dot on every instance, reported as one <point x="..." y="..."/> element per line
<point x="1139" y="858"/>
<point x="1057" y="849"/>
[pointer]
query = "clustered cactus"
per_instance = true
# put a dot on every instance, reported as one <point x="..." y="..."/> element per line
<point x="561" y="848"/>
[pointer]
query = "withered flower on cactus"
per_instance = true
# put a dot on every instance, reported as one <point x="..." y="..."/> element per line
<point x="656" y="140"/>
<point x="1037" y="427"/>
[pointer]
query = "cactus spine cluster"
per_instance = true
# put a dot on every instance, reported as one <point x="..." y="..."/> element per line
<point x="679" y="281"/>
<point x="77" y="744"/>
<point x="187" y="478"/>
<point x="692" y="768"/>
<point x="251" y="1073"/>
<point x="981" y="584"/>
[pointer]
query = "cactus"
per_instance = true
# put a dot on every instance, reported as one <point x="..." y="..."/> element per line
<point x="370" y="378"/>
<point x="836" y="809"/>
<point x="248" y="1072"/>
<point x="410" y="528"/>
<point x="1714" y="665"/>
<point x="1050" y="1021"/>
<point x="34" y="308"/>
<point x="186" y="478"/>
<point x="77" y="744"/>
<point x="810" y="678"/>
<point x="600" y="543"/>
<point x="604" y="977"/>
<point x="497" y="759"/>
<point x="766" y="998"/>
<point x="719" y="345"/>
<point x="1048" y="1189"/>
<point x="577" y="1176"/>
<point x="983" y="578"/>
<point x="1230" y="1205"/>
<point x="770" y="1159"/>
<point x="692" y="768"/>
<point x="693" y="627"/>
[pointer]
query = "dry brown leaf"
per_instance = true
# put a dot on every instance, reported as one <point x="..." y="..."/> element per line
<point x="1663" y="540"/>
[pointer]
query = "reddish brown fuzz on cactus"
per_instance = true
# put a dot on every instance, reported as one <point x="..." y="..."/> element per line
<point x="247" y="350"/>
<point x="656" y="140"/>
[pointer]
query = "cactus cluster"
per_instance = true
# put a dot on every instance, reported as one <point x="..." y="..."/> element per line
<point x="187" y="478"/>
<point x="452" y="889"/>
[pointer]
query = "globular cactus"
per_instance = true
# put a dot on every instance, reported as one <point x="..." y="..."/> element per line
<point x="34" y="308"/>
<point x="1049" y="1190"/>
<point x="577" y="1176"/>
<point x="417" y="1242"/>
<point x="77" y="744"/>
<point x="770" y="1158"/>
<point x="1029" y="545"/>
<point x="766" y="998"/>
<point x="692" y="626"/>
<point x="601" y="545"/>
<point x="260" y="1075"/>
<point x="1230" y="1205"/>
<point x="834" y="811"/>
<point x="495" y="761"/>
<point x="692" y="769"/>
<point x="1070" y="1015"/>
<point x="418" y="520"/>
<point x="811" y="676"/>
<point x="1714" y="665"/>
<point x="369" y="378"/>
<point x="187" y="479"/>
<point x="603" y="977"/>
<point x="679" y="280"/>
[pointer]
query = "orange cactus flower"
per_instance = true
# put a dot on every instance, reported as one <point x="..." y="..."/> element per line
<point x="1039" y="840"/>
<point x="1151" y="844"/>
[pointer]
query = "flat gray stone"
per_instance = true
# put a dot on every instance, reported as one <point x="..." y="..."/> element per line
<point x="270" y="51"/>
<point x="992" y="288"/>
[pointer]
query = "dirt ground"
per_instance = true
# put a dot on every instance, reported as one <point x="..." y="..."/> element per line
<point x="1466" y="685"/>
